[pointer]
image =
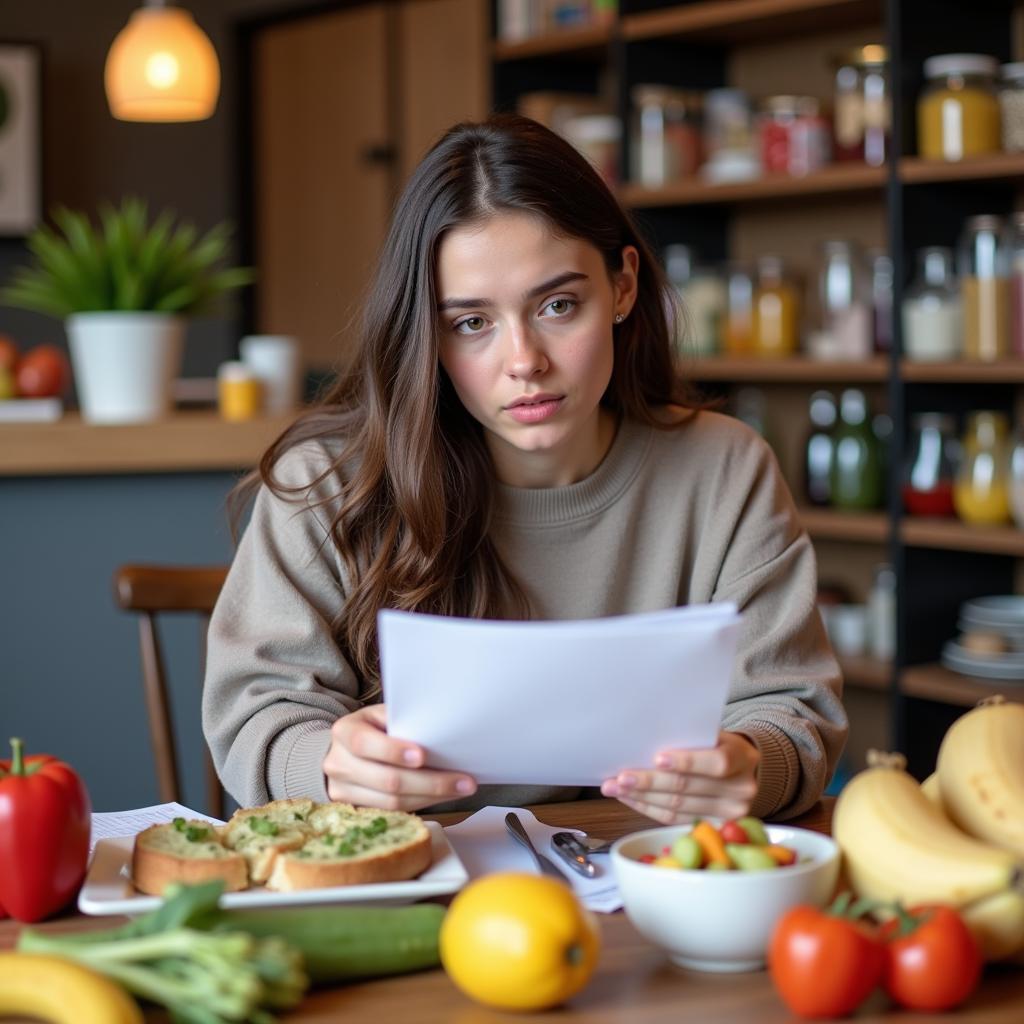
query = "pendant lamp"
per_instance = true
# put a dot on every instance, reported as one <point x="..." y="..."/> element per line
<point x="162" y="67"/>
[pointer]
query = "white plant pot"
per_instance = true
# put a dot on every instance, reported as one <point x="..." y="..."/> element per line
<point x="125" y="364"/>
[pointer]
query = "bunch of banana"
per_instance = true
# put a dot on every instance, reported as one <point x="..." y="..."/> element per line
<point x="53" y="989"/>
<point x="981" y="774"/>
<point x="898" y="845"/>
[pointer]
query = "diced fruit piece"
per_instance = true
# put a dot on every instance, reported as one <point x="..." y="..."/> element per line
<point x="711" y="844"/>
<point x="732" y="832"/>
<point x="647" y="858"/>
<point x="748" y="857"/>
<point x="782" y="855"/>
<point x="718" y="866"/>
<point x="687" y="851"/>
<point x="754" y="828"/>
<point x="666" y="862"/>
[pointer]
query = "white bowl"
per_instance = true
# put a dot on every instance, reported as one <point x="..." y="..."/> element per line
<point x="719" y="920"/>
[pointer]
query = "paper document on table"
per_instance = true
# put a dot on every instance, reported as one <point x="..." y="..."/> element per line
<point x="557" y="703"/>
<point x="108" y="824"/>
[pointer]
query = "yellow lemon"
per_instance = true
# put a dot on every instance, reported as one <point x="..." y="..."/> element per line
<point x="519" y="942"/>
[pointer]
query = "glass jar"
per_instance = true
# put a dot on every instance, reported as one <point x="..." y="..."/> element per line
<point x="981" y="491"/>
<point x="776" y="320"/>
<point x="666" y="142"/>
<point x="1017" y="479"/>
<point x="958" y="111"/>
<point x="933" y="454"/>
<point x="984" y="289"/>
<point x="702" y="293"/>
<point x="819" y="449"/>
<point x="843" y="290"/>
<point x="598" y="137"/>
<point x="1011" y="107"/>
<point x="882" y="613"/>
<point x="880" y="271"/>
<point x="932" y="318"/>
<point x="1015" y="261"/>
<point x="857" y="473"/>
<point x="862" y="115"/>
<point x="738" y="334"/>
<point x="794" y="136"/>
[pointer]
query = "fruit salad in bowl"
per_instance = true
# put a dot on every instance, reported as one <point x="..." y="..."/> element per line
<point x="710" y="893"/>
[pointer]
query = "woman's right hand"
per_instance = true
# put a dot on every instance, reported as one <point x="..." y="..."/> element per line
<point x="367" y="767"/>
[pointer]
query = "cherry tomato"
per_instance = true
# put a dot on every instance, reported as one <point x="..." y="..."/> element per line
<point x="733" y="832"/>
<point x="9" y="353"/>
<point x="823" y="965"/>
<point x="43" y="372"/>
<point x="932" y="960"/>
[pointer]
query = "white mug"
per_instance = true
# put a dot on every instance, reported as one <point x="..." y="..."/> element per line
<point x="274" y="358"/>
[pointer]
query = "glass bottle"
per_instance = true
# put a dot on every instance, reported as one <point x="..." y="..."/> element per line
<point x="880" y="271"/>
<point x="862" y="106"/>
<point x="857" y="475"/>
<point x="845" y="301"/>
<point x="776" y="310"/>
<point x="932" y="312"/>
<point x="958" y="111"/>
<point x="1011" y="103"/>
<point x="703" y="295"/>
<point x="1015" y="259"/>
<point x="819" y="449"/>
<point x="738" y="335"/>
<point x="1017" y="479"/>
<point x="981" y="493"/>
<point x="985" y="289"/>
<point x="882" y="614"/>
<point x="666" y="139"/>
<point x="931" y="465"/>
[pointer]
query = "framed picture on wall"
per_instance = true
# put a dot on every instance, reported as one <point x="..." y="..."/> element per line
<point x="20" y="138"/>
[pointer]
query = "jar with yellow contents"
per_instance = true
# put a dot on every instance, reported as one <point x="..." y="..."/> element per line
<point x="775" y="320"/>
<point x="981" y="491"/>
<point x="958" y="111"/>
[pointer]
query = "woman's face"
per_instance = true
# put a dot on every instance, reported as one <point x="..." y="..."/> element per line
<point x="525" y="327"/>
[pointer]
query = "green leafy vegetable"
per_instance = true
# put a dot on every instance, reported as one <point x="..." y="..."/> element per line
<point x="263" y="826"/>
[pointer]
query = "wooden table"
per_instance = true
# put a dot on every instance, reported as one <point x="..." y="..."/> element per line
<point x="635" y="983"/>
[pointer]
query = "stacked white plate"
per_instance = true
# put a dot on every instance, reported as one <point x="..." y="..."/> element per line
<point x="1002" y="614"/>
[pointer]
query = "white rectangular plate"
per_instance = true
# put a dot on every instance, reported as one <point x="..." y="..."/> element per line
<point x="108" y="888"/>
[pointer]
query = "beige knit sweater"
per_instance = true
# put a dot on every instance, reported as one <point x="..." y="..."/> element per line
<point x="695" y="514"/>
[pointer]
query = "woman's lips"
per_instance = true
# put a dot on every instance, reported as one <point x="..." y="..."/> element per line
<point x="535" y="412"/>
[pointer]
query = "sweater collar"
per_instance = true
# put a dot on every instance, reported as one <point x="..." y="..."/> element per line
<point x="549" y="506"/>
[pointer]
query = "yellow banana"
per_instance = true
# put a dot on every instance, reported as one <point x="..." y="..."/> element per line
<point x="981" y="774"/>
<point x="62" y="991"/>
<point x="898" y="846"/>
<point x="997" y="922"/>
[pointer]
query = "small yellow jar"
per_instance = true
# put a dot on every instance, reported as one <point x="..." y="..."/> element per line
<point x="958" y="112"/>
<point x="981" y="490"/>
<point x="775" y="323"/>
<point x="239" y="392"/>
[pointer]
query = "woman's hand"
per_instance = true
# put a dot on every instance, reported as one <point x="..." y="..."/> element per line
<point x="687" y="784"/>
<point x="366" y="766"/>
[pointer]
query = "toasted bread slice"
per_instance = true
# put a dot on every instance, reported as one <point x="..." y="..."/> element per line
<point x="358" y="846"/>
<point x="260" y="833"/>
<point x="184" y="851"/>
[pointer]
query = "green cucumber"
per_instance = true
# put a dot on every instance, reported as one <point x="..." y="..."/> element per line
<point x="343" y="943"/>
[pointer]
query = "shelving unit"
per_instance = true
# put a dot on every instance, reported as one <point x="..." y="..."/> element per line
<point x="781" y="46"/>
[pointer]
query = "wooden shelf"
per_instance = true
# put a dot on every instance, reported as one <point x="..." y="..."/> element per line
<point x="915" y="170"/>
<point x="865" y="673"/>
<point x="590" y="41"/>
<point x="184" y="442"/>
<point x="729" y="21"/>
<point x="832" y="180"/>
<point x="936" y="682"/>
<point x="827" y="524"/>
<point x="793" y="369"/>
<point x="962" y="371"/>
<point x="953" y="535"/>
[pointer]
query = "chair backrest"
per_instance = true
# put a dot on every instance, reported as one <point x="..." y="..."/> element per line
<point x="150" y="590"/>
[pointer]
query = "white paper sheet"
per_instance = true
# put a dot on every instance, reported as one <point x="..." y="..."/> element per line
<point x="484" y="846"/>
<point x="108" y="824"/>
<point x="557" y="703"/>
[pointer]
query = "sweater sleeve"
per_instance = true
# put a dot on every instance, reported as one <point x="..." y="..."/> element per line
<point x="276" y="679"/>
<point x="787" y="687"/>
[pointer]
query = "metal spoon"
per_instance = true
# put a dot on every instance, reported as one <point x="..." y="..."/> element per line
<point x="519" y="833"/>
<point x="592" y="845"/>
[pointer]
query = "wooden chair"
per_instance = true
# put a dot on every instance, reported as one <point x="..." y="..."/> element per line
<point x="150" y="590"/>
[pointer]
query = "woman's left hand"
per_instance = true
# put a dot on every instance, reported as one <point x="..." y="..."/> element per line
<point x="720" y="782"/>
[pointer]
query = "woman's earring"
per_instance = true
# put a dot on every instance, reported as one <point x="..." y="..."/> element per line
<point x="619" y="317"/>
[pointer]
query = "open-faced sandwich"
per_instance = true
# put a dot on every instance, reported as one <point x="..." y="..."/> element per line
<point x="286" y="845"/>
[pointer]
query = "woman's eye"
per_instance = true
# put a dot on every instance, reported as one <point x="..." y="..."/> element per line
<point x="471" y="325"/>
<point x="559" y="307"/>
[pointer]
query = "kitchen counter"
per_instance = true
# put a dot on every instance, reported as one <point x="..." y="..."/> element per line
<point x="185" y="442"/>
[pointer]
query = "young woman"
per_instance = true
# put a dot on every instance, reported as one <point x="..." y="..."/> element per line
<point x="512" y="442"/>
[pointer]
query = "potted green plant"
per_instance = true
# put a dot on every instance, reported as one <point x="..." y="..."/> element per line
<point x="124" y="288"/>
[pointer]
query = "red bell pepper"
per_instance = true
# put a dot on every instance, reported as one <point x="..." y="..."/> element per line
<point x="45" y="820"/>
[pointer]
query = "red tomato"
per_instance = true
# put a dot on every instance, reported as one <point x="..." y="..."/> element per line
<point x="43" y="372"/>
<point x="932" y="960"/>
<point x="733" y="832"/>
<point x="823" y="965"/>
<point x="8" y="353"/>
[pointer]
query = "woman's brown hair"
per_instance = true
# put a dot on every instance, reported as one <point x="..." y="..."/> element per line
<point x="415" y="480"/>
